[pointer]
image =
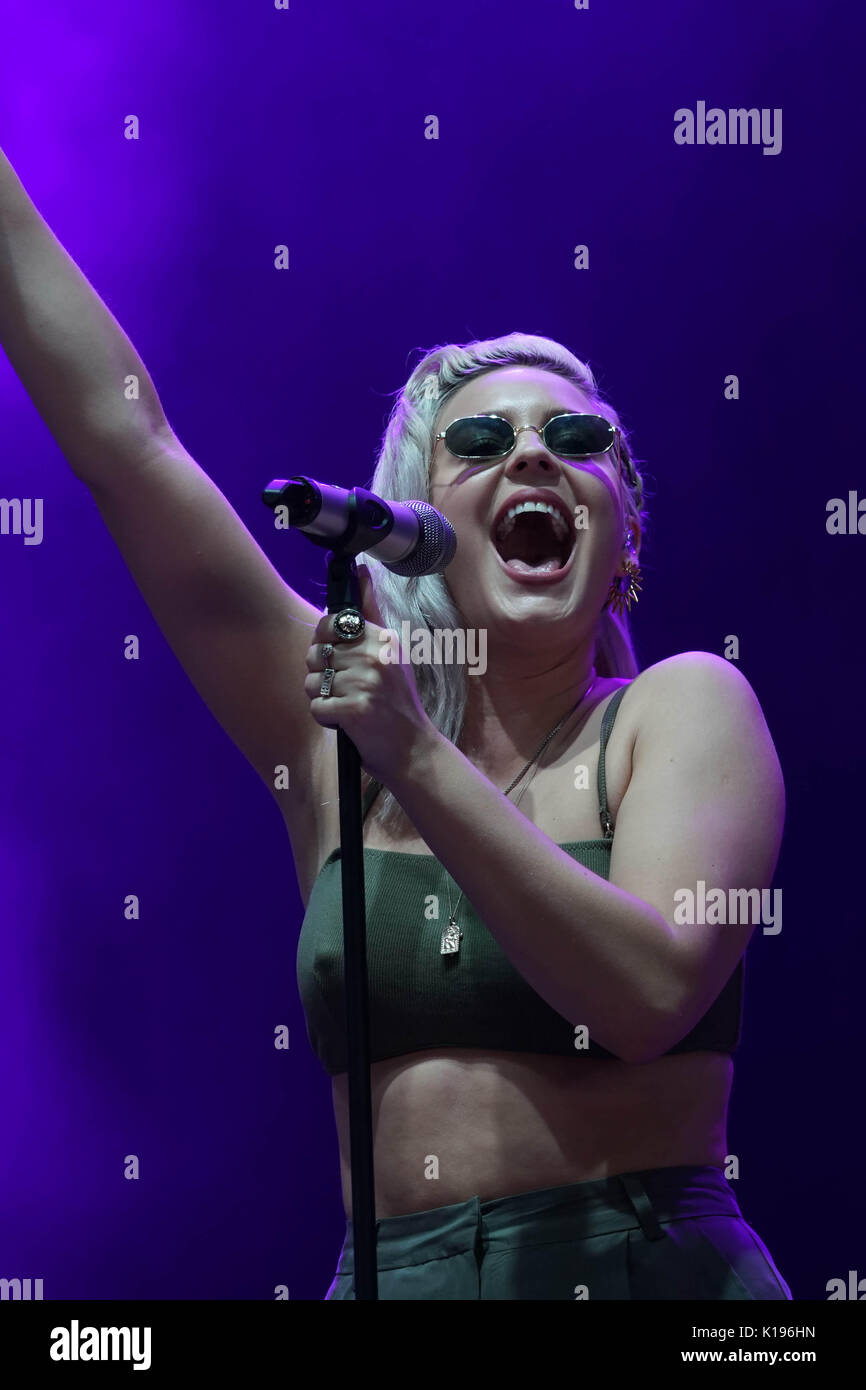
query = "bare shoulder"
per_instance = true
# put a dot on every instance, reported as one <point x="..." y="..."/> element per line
<point x="692" y="685"/>
<point x="703" y="709"/>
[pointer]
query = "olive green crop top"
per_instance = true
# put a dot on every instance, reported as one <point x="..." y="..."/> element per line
<point x="475" y="998"/>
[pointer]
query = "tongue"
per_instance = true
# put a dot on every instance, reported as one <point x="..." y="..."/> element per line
<point x="531" y="547"/>
<point x="524" y="566"/>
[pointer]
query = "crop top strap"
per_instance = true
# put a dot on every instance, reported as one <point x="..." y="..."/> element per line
<point x="606" y="726"/>
<point x="370" y="795"/>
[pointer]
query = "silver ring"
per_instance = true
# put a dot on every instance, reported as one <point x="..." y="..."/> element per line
<point x="349" y="625"/>
<point x="327" y="681"/>
<point x="327" y="652"/>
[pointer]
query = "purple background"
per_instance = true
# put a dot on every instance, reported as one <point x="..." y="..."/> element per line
<point x="307" y="127"/>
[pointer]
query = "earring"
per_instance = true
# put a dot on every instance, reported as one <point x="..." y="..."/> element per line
<point x="623" y="591"/>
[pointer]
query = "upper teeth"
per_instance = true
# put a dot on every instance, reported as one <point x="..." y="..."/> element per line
<point x="559" y="523"/>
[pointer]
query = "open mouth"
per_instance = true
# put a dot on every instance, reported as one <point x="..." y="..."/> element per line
<point x="534" y="538"/>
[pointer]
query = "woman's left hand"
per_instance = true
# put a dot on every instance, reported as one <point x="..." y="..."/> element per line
<point x="373" y="699"/>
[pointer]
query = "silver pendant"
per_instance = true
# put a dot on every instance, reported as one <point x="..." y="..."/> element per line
<point x="451" y="939"/>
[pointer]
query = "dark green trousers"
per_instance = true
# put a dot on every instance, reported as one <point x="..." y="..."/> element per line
<point x="667" y="1233"/>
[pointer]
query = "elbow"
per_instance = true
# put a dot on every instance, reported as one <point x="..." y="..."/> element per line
<point x="654" y="1025"/>
<point x="649" y="1019"/>
<point x="648" y="1036"/>
<point x="638" y="1054"/>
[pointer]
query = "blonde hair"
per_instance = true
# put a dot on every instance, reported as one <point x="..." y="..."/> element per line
<point x="402" y="473"/>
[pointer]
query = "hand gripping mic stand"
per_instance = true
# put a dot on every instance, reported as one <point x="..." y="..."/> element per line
<point x="367" y="525"/>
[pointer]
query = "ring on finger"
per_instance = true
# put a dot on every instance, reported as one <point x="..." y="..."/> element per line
<point x="349" y="625"/>
<point x="327" y="681"/>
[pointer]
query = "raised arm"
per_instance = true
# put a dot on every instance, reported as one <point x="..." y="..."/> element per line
<point x="240" y="632"/>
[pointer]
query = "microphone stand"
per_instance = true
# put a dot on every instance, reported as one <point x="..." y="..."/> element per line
<point x="343" y="591"/>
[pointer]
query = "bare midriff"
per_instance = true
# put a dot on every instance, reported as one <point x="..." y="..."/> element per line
<point x="459" y="1123"/>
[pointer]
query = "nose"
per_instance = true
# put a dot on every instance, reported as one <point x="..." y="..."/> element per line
<point x="530" y="453"/>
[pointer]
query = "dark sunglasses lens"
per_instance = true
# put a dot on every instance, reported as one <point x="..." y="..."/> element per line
<point x="479" y="438"/>
<point x="577" y="435"/>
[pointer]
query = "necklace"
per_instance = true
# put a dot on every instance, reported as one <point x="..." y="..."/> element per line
<point x="452" y="936"/>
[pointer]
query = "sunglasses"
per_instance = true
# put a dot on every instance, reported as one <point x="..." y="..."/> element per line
<point x="491" y="436"/>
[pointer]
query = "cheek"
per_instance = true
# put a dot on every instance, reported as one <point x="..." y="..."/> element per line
<point x="603" y="510"/>
<point x="470" y="530"/>
<point x="465" y="568"/>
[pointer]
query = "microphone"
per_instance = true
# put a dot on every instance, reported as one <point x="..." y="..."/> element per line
<point x="408" y="538"/>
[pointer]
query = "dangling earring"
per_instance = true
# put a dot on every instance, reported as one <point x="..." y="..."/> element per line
<point x="623" y="591"/>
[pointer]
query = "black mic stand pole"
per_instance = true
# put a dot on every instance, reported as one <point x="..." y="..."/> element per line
<point x="344" y="592"/>
<point x="364" y="530"/>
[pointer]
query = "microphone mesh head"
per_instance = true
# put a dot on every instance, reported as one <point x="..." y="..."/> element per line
<point x="436" y="545"/>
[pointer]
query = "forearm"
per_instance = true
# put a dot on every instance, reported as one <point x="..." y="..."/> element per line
<point x="598" y="955"/>
<point x="71" y="355"/>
